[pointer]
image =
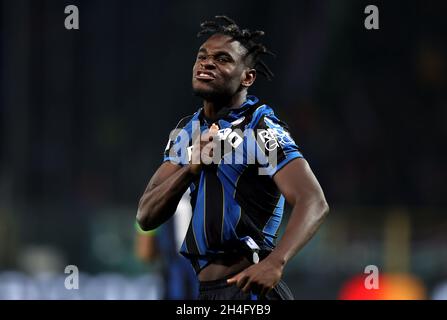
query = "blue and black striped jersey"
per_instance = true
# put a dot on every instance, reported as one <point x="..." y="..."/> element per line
<point x="237" y="196"/>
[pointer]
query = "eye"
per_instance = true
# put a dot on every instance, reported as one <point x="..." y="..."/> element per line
<point x="201" y="57"/>
<point x="223" y="59"/>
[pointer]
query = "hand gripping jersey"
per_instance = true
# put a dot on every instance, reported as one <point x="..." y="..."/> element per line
<point x="234" y="197"/>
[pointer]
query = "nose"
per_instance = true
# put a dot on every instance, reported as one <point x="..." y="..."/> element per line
<point x="207" y="63"/>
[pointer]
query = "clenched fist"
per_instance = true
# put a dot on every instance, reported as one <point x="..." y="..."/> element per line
<point x="202" y="151"/>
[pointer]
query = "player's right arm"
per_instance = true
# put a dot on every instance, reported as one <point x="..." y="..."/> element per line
<point x="167" y="186"/>
<point x="163" y="193"/>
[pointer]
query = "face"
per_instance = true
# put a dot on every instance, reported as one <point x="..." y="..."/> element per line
<point x="220" y="71"/>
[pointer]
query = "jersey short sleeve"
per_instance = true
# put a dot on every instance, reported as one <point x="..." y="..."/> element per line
<point x="176" y="150"/>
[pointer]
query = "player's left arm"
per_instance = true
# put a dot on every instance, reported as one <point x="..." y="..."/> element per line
<point x="302" y="191"/>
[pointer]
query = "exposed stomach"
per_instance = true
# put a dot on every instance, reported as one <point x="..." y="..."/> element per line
<point x="221" y="268"/>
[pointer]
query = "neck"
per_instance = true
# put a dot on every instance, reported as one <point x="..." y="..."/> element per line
<point x="212" y="107"/>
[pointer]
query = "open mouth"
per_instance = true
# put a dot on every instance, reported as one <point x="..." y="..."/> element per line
<point x="205" y="75"/>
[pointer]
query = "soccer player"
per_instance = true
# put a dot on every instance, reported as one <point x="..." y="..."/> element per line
<point x="238" y="200"/>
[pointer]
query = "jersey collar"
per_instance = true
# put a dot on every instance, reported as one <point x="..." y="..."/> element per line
<point x="231" y="114"/>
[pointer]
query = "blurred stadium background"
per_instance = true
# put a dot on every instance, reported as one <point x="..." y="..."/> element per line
<point x="85" y="116"/>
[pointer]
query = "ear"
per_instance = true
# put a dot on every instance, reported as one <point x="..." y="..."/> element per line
<point x="248" y="77"/>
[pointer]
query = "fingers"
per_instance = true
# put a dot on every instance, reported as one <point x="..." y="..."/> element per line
<point x="207" y="153"/>
<point x="246" y="284"/>
<point x="204" y="146"/>
<point x="255" y="287"/>
<point x="247" y="287"/>
<point x="207" y="145"/>
<point x="243" y="281"/>
<point x="240" y="279"/>
<point x="232" y="280"/>
<point x="214" y="129"/>
<point x="209" y="136"/>
<point x="265" y="291"/>
<point x="235" y="279"/>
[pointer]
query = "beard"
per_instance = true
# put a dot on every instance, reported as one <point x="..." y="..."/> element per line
<point x="214" y="94"/>
<point x="206" y="94"/>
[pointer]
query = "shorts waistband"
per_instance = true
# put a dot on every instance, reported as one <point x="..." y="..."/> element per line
<point x="215" y="284"/>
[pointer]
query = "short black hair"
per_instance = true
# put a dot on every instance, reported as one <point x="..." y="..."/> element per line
<point x="245" y="37"/>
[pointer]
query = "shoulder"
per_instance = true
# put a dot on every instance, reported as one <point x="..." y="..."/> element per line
<point x="184" y="125"/>
<point x="264" y="117"/>
<point x="183" y="122"/>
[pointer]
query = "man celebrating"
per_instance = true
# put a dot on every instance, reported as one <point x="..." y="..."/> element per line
<point x="238" y="197"/>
